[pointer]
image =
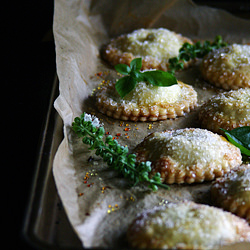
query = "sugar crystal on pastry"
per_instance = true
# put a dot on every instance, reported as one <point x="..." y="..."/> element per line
<point x="186" y="225"/>
<point x="227" y="110"/>
<point x="228" y="67"/>
<point x="154" y="46"/>
<point x="146" y="102"/>
<point x="232" y="192"/>
<point x="188" y="155"/>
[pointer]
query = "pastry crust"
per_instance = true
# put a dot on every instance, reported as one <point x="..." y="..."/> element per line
<point x="154" y="46"/>
<point x="227" y="110"/>
<point x="146" y="102"/>
<point x="188" y="155"/>
<point x="232" y="192"/>
<point x="228" y="67"/>
<point x="186" y="225"/>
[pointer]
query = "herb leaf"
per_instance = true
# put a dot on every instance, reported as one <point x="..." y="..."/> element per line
<point x="115" y="155"/>
<point x="133" y="75"/>
<point x="123" y="69"/>
<point x="191" y="51"/>
<point x="240" y="137"/>
<point x="159" y="78"/>
<point x="125" y="85"/>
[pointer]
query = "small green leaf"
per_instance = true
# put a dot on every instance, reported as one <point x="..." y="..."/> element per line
<point x="125" y="85"/>
<point x="136" y="64"/>
<point x="159" y="78"/>
<point x="240" y="137"/>
<point x="123" y="69"/>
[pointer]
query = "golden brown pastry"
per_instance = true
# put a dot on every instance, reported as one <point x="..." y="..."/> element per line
<point x="228" y="67"/>
<point x="154" y="46"/>
<point x="186" y="225"/>
<point x="232" y="192"/>
<point x="188" y="155"/>
<point x="146" y="102"/>
<point x="227" y="110"/>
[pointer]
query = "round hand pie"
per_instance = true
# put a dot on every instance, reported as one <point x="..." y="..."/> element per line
<point x="186" y="225"/>
<point x="232" y="192"/>
<point x="154" y="46"/>
<point x="227" y="110"/>
<point x="146" y="102"/>
<point x="188" y="155"/>
<point x="228" y="67"/>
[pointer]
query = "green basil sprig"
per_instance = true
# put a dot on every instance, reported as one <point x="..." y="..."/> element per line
<point x="191" y="51"/>
<point x="133" y="75"/>
<point x="240" y="137"/>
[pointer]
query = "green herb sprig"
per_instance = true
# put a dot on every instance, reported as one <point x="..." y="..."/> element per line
<point x="240" y="137"/>
<point x="115" y="155"/>
<point x="133" y="75"/>
<point x="191" y="51"/>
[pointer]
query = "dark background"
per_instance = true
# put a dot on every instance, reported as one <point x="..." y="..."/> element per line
<point x="29" y="70"/>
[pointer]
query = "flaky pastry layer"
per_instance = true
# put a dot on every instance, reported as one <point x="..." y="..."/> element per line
<point x="227" y="110"/>
<point x="146" y="102"/>
<point x="228" y="67"/>
<point x="188" y="155"/>
<point x="154" y="46"/>
<point x="186" y="225"/>
<point x="232" y="192"/>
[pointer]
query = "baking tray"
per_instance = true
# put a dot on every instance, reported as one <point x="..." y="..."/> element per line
<point x="46" y="225"/>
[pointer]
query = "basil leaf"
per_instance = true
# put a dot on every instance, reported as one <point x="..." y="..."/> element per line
<point x="136" y="64"/>
<point x="240" y="137"/>
<point x="125" y="85"/>
<point x="159" y="78"/>
<point x="123" y="69"/>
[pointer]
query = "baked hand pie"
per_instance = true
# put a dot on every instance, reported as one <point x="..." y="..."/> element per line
<point x="154" y="46"/>
<point x="232" y="192"/>
<point x="146" y="102"/>
<point x="188" y="155"/>
<point x="227" y="110"/>
<point x="228" y="67"/>
<point x="186" y="225"/>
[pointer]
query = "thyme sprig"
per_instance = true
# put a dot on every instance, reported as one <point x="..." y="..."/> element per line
<point x="191" y="51"/>
<point x="115" y="155"/>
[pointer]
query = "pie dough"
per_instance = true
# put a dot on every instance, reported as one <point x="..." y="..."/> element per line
<point x="228" y="67"/>
<point x="154" y="46"/>
<point x="188" y="155"/>
<point x="186" y="225"/>
<point x="227" y="110"/>
<point x="146" y="102"/>
<point x="232" y="192"/>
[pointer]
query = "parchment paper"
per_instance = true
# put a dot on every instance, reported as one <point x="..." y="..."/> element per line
<point x="99" y="203"/>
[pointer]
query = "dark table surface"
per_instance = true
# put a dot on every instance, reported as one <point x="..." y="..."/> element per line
<point x="29" y="59"/>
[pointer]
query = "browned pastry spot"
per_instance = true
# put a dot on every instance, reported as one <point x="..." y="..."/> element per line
<point x="146" y="102"/>
<point x="188" y="155"/>
<point x="232" y="192"/>
<point x="228" y="67"/>
<point x="227" y="110"/>
<point x="154" y="46"/>
<point x="186" y="225"/>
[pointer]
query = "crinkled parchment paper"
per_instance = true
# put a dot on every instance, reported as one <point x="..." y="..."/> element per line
<point x="99" y="203"/>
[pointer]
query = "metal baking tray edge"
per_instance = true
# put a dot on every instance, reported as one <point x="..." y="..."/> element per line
<point x="46" y="225"/>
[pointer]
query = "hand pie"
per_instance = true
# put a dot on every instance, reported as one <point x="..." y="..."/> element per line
<point x="228" y="67"/>
<point x="227" y="110"/>
<point x="188" y="155"/>
<point x="146" y="102"/>
<point x="186" y="225"/>
<point x="232" y="192"/>
<point x="154" y="46"/>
